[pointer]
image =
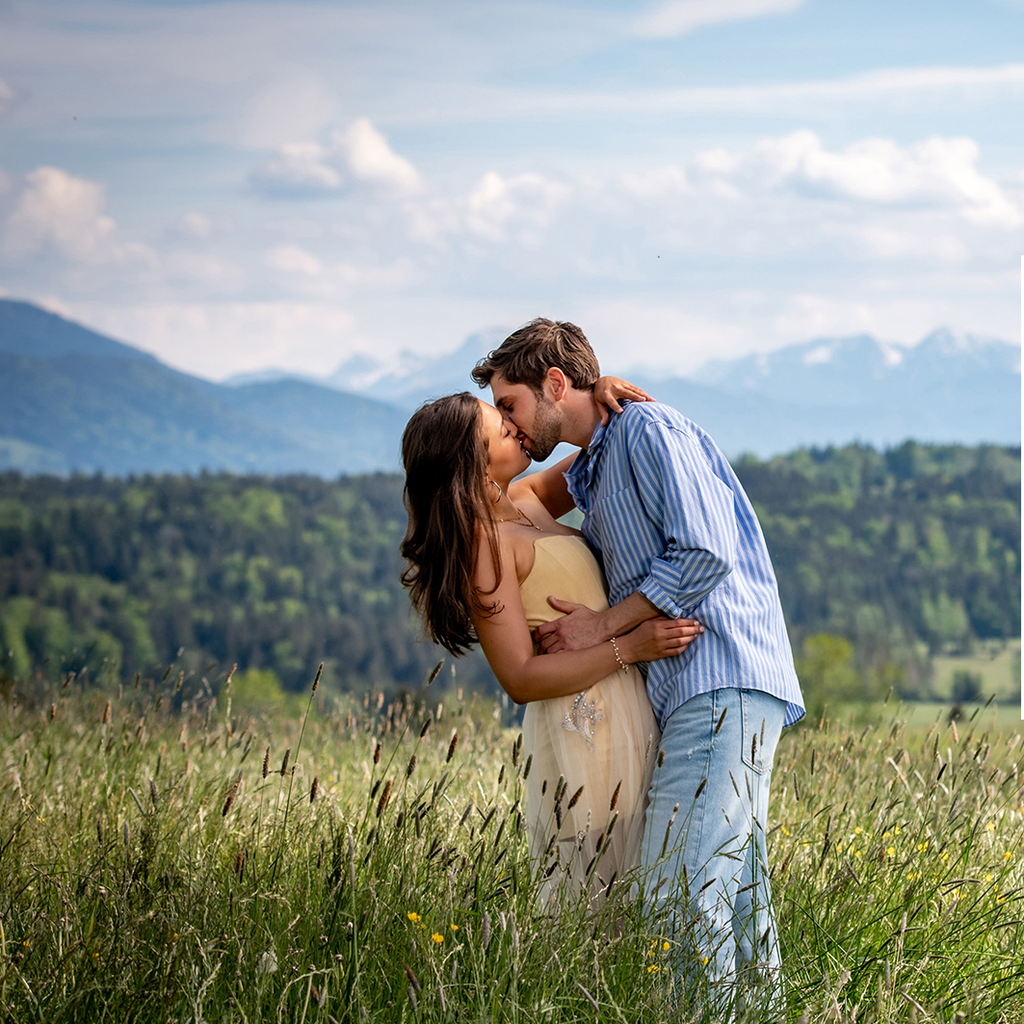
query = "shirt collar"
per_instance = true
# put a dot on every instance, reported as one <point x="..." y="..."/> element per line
<point x="581" y="472"/>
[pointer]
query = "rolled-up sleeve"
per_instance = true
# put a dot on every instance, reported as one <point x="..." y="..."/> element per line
<point x="693" y="509"/>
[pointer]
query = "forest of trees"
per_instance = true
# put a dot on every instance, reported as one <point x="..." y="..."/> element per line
<point x="883" y="558"/>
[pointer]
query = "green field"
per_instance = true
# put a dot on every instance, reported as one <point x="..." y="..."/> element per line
<point x="167" y="856"/>
<point x="996" y="663"/>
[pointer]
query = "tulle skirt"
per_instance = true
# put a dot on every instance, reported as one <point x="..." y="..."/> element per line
<point x="593" y="757"/>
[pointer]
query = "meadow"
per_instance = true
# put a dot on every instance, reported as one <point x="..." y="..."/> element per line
<point x="169" y="855"/>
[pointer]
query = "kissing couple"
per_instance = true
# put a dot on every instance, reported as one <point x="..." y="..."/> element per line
<point x="655" y="700"/>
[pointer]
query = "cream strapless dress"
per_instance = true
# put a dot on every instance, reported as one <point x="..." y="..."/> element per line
<point x="603" y="740"/>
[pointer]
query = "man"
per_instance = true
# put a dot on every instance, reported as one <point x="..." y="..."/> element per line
<point x="678" y="537"/>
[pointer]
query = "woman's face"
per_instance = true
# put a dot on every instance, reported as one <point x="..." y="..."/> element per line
<point x="505" y="456"/>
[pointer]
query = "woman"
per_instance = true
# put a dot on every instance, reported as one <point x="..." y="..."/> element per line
<point x="483" y="554"/>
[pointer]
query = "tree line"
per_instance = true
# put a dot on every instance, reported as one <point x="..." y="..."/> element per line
<point x="883" y="558"/>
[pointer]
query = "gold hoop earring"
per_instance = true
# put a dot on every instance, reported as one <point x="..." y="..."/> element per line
<point x="501" y="493"/>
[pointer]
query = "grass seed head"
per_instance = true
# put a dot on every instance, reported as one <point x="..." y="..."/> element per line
<point x="411" y="766"/>
<point x="232" y="793"/>
<point x="316" y="682"/>
<point x="451" y="747"/>
<point x="266" y="763"/>
<point x="376" y="753"/>
<point x="384" y="797"/>
<point x="615" y="796"/>
<point x="284" y="761"/>
<point x="106" y="713"/>
<point x="313" y="789"/>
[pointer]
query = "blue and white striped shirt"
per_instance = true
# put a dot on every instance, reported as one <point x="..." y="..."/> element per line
<point x="671" y="520"/>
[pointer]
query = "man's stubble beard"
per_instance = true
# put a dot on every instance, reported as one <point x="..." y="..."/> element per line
<point x="547" y="429"/>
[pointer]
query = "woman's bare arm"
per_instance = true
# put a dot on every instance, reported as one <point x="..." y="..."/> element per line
<point x="526" y="676"/>
<point x="548" y="486"/>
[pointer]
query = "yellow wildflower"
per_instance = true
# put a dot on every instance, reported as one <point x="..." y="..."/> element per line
<point x="455" y="927"/>
<point x="857" y="831"/>
<point x="666" y="945"/>
<point x="890" y="851"/>
<point x="652" y="968"/>
<point x="437" y="937"/>
<point x="413" y="916"/>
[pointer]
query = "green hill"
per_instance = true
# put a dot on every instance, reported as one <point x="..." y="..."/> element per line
<point x="75" y="401"/>
<point x="885" y="561"/>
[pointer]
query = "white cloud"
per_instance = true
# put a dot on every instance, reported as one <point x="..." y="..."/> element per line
<point x="358" y="154"/>
<point x="520" y="206"/>
<point x="682" y="335"/>
<point x="370" y="159"/>
<point x="215" y="340"/>
<point x="678" y="17"/>
<point x="284" y="112"/>
<point x="202" y="226"/>
<point x="937" y="172"/>
<point x="926" y="88"/>
<point x="217" y="273"/>
<point x="884" y="240"/>
<point x="299" y="169"/>
<point x="290" y="259"/>
<point x="195" y="225"/>
<point x="59" y="214"/>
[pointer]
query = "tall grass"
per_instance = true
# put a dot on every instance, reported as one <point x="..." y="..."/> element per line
<point x="166" y="857"/>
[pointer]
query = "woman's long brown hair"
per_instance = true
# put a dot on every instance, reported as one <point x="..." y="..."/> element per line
<point x="445" y="458"/>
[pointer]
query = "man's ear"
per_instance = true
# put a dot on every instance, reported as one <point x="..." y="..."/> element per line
<point x="557" y="383"/>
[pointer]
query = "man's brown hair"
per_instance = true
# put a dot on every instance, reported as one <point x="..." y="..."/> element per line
<point x="526" y="355"/>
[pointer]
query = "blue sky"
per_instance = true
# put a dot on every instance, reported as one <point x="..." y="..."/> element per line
<point x="238" y="185"/>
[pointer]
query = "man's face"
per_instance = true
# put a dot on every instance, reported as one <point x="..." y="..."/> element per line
<point x="535" y="417"/>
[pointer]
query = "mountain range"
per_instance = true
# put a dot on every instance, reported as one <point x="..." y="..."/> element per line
<point x="75" y="400"/>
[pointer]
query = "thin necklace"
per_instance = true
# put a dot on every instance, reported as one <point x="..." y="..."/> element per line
<point x="519" y="516"/>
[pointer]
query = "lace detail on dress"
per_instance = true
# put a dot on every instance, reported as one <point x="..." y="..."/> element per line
<point x="582" y="717"/>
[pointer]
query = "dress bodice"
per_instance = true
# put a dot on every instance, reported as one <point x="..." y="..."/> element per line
<point x="565" y="567"/>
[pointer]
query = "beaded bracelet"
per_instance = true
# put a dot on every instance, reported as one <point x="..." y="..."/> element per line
<point x="618" y="657"/>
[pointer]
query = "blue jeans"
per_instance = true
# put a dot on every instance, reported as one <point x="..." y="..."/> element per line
<point x="709" y="854"/>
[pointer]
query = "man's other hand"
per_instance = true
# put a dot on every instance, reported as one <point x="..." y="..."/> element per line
<point x="579" y="627"/>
